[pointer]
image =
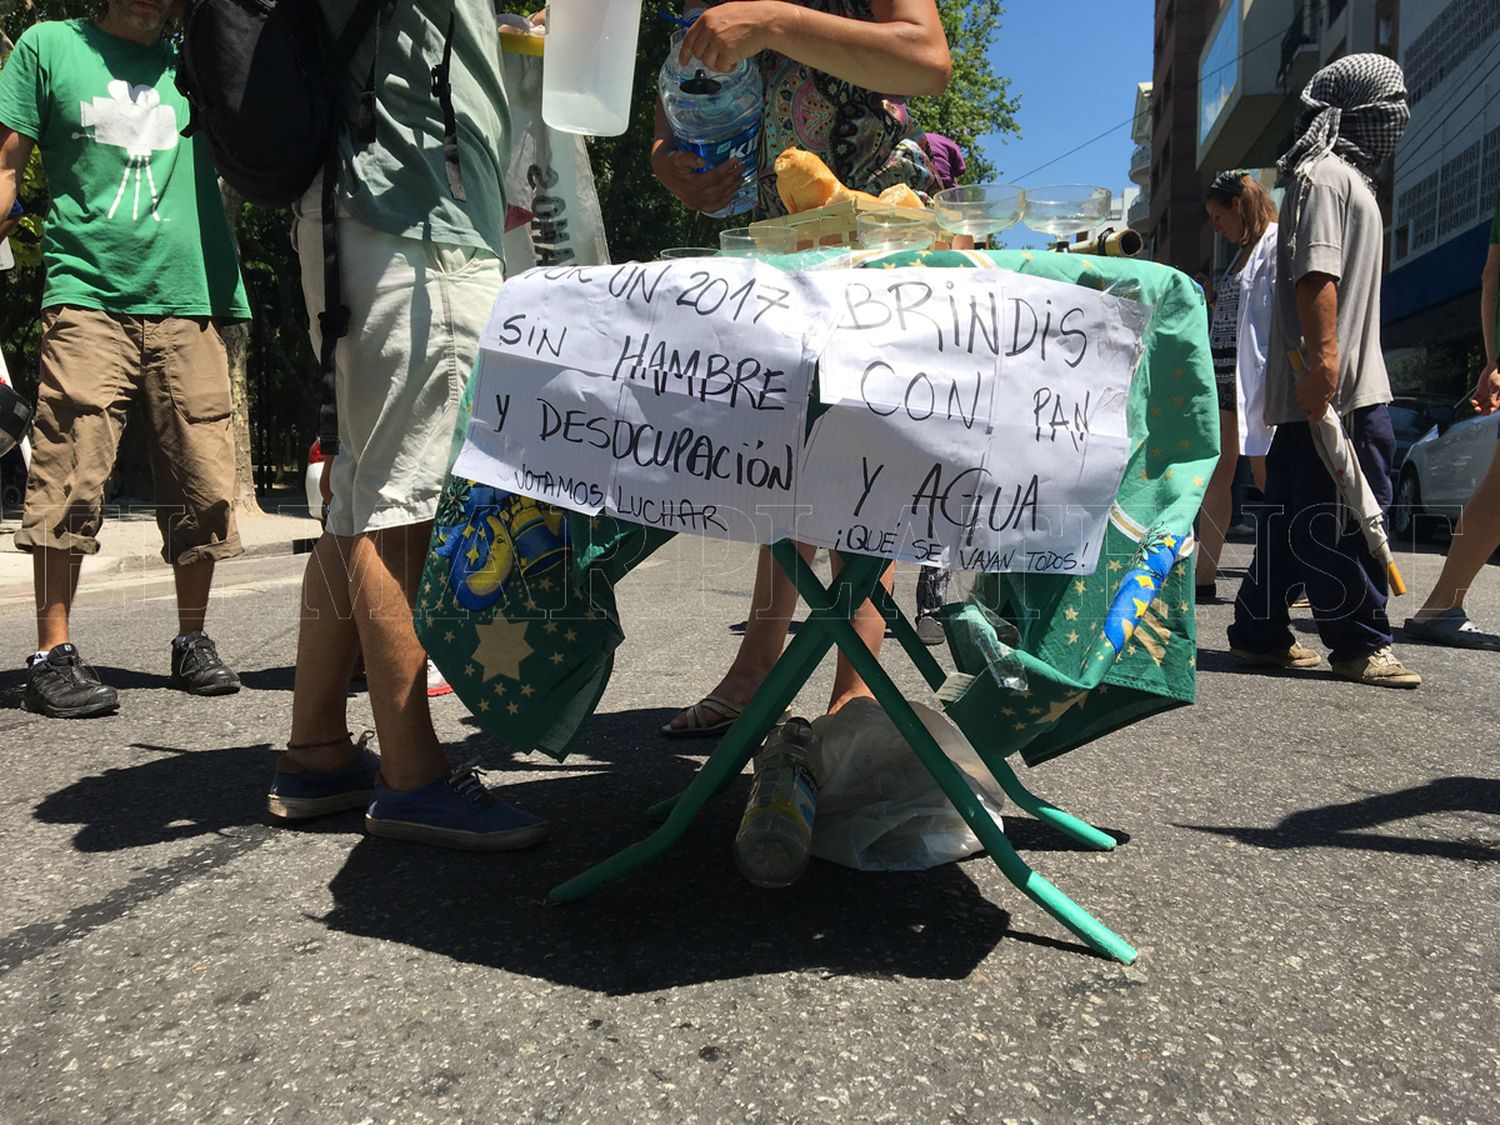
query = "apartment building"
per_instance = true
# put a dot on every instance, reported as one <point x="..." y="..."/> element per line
<point x="1447" y="172"/>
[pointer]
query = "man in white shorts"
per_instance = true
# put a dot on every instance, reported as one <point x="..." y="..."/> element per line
<point x="419" y="236"/>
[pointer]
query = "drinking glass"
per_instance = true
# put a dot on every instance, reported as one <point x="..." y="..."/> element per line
<point x="675" y="252"/>
<point x="752" y="242"/>
<point x="900" y="228"/>
<point x="1063" y="210"/>
<point x="975" y="212"/>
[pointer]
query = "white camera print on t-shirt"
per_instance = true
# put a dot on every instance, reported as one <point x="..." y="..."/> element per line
<point x="132" y="118"/>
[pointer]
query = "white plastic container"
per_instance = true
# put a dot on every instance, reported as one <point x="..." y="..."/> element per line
<point x="589" y="67"/>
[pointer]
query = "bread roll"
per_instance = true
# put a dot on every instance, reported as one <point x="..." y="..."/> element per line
<point x="901" y="195"/>
<point x="803" y="181"/>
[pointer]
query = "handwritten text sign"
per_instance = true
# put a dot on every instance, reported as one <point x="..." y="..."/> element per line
<point x="974" y="418"/>
<point x="977" y="419"/>
<point x="671" y="394"/>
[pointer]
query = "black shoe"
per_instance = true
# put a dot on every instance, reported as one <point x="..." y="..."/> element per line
<point x="197" y="669"/>
<point x="62" y="686"/>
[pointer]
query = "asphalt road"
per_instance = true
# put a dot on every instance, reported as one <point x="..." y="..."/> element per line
<point x="1311" y="873"/>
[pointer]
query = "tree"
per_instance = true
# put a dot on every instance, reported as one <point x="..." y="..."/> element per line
<point x="978" y="102"/>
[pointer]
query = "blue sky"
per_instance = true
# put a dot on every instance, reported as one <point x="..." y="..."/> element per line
<point x="1075" y="64"/>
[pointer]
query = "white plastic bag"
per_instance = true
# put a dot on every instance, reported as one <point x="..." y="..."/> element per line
<point x="552" y="214"/>
<point x="878" y="807"/>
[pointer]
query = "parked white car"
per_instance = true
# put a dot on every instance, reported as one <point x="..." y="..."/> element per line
<point x="1442" y="469"/>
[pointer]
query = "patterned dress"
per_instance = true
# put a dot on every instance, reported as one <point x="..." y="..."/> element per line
<point x="1224" y="338"/>
<point x="868" y="139"/>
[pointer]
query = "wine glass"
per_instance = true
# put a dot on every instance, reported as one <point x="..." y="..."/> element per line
<point x="1063" y="210"/>
<point x="978" y="211"/>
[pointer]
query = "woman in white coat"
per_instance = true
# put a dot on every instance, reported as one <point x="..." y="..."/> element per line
<point x="1243" y="213"/>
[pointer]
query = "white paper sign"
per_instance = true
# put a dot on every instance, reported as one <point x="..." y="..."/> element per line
<point x="672" y="394"/>
<point x="976" y="419"/>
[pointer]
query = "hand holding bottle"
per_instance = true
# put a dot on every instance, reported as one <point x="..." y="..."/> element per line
<point x="706" y="192"/>
<point x="726" y="35"/>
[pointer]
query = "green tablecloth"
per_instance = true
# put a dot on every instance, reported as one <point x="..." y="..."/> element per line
<point x="517" y="606"/>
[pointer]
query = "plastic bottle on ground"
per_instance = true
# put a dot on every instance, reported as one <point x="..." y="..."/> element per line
<point x="775" y="836"/>
<point x="715" y="116"/>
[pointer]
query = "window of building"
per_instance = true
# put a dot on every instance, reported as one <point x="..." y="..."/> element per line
<point x="1489" y="177"/>
<point x="1459" y="193"/>
<point x="1221" y="70"/>
<point x="1459" y="30"/>
<point x="1418" y="213"/>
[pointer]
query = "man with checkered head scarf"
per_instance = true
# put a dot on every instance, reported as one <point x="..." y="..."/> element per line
<point x="1325" y="351"/>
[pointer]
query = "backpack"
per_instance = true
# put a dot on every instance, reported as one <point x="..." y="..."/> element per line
<point x="263" y="80"/>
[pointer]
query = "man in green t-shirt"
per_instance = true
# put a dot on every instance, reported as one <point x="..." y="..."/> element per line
<point x="1442" y="619"/>
<point x="140" y="267"/>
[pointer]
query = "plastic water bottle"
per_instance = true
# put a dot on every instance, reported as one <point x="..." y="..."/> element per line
<point x="589" y="65"/>
<point x="775" y="836"/>
<point x="715" y="116"/>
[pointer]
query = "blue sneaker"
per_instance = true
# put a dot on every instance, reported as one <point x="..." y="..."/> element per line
<point x="456" y="811"/>
<point x="299" y="796"/>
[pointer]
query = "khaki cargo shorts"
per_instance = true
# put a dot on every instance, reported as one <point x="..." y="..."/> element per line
<point x="94" y="367"/>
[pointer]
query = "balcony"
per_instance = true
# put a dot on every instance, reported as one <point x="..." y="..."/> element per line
<point x="1140" y="165"/>
<point x="1138" y="218"/>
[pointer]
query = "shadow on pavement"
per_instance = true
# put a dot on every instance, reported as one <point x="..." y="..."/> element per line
<point x="183" y="794"/>
<point x="1339" y="826"/>
<point x="687" y="918"/>
<point x="271" y="679"/>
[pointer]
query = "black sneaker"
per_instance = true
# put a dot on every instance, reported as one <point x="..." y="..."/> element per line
<point x="62" y="686"/>
<point x="197" y="669"/>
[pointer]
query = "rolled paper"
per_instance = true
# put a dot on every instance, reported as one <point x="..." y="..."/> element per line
<point x="1111" y="244"/>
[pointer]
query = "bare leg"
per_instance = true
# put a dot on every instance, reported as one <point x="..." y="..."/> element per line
<point x="1258" y="473"/>
<point x="773" y="602"/>
<point x="1218" y="501"/>
<point x="55" y="573"/>
<point x="871" y="629"/>
<point x="327" y="643"/>
<point x="765" y="637"/>
<point x="1474" y="540"/>
<point x="193" y="583"/>
<point x="385" y="571"/>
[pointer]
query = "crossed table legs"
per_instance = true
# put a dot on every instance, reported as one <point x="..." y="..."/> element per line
<point x="828" y="624"/>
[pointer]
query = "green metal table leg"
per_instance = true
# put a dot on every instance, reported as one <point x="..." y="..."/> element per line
<point x="1024" y="798"/>
<point x="797" y="664"/>
<point x="1048" y="813"/>
<point x="742" y="740"/>
<point x="950" y="779"/>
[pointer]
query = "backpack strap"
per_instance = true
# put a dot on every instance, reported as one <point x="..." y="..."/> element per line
<point x="442" y="89"/>
<point x="333" y="321"/>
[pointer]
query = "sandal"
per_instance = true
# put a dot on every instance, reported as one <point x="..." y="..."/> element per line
<point x="1452" y="628"/>
<point x="699" y="723"/>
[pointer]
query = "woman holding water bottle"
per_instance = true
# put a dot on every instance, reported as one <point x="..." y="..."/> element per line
<point x="822" y="63"/>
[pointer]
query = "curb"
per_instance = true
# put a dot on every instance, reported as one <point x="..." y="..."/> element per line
<point x="139" y="560"/>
